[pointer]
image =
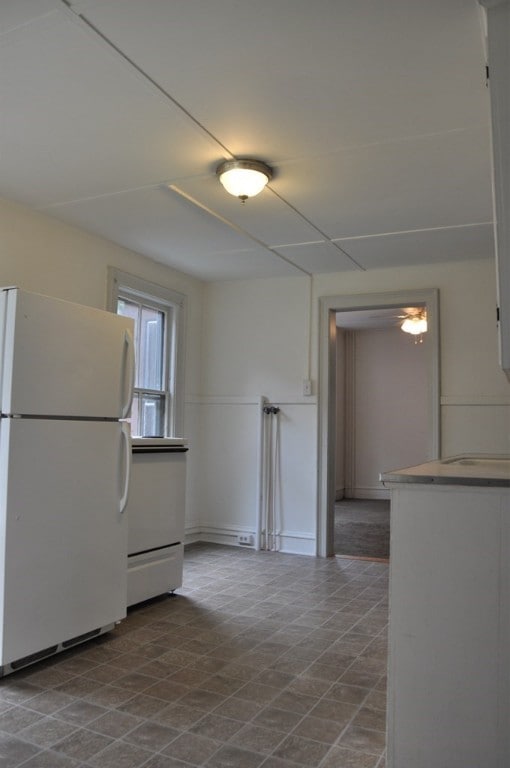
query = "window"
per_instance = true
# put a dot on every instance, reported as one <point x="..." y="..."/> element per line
<point x="158" y="315"/>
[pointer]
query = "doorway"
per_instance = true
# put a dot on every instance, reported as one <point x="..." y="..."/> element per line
<point x="381" y="420"/>
<point x="356" y="307"/>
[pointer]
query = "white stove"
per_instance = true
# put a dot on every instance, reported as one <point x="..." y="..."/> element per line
<point x="156" y="517"/>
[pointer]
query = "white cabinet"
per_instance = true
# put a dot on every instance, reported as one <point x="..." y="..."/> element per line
<point x="498" y="39"/>
<point x="449" y="636"/>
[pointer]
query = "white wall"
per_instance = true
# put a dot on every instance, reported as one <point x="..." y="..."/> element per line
<point x="256" y="342"/>
<point x="225" y="454"/>
<point x="256" y="337"/>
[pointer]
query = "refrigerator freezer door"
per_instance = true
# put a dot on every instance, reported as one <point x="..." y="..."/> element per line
<point x="63" y="359"/>
<point x="64" y="539"/>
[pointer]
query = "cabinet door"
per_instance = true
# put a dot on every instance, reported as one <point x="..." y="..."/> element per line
<point x="448" y="694"/>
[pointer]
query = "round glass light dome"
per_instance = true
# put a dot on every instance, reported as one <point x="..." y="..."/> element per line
<point x="244" y="178"/>
<point x="414" y="325"/>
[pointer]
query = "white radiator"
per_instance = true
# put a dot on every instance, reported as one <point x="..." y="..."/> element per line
<point x="270" y="506"/>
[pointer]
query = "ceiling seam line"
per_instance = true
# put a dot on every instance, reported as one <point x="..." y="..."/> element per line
<point x="99" y="195"/>
<point x="387" y="142"/>
<point x="149" y="79"/>
<point x="414" y="231"/>
<point x="321" y="233"/>
<point x="234" y="227"/>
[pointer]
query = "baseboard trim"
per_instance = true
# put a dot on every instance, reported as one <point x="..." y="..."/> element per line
<point x="220" y="534"/>
<point x="296" y="543"/>
<point x="290" y="542"/>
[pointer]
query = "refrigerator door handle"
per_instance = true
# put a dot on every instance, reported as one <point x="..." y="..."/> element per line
<point x="125" y="464"/>
<point x="128" y="374"/>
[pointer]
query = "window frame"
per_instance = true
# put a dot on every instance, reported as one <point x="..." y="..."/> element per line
<point x="132" y="288"/>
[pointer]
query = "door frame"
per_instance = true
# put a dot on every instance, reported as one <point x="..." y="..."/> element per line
<point x="329" y="306"/>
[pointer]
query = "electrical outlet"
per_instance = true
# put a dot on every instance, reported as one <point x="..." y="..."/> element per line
<point x="245" y="539"/>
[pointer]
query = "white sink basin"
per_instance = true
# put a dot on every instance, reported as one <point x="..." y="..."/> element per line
<point x="482" y="462"/>
<point x="468" y="469"/>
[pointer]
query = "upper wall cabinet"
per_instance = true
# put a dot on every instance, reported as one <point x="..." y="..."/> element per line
<point x="498" y="43"/>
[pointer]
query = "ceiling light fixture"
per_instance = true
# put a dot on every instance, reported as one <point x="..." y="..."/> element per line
<point x="416" y="325"/>
<point x="244" y="178"/>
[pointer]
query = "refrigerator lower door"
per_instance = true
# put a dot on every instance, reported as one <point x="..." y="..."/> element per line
<point x="63" y="537"/>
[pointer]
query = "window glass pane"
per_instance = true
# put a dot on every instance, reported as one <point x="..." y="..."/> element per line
<point x="150" y="361"/>
<point x="156" y="335"/>
<point x="128" y="309"/>
<point x="151" y="416"/>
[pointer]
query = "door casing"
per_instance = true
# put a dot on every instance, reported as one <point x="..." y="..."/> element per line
<point x="329" y="306"/>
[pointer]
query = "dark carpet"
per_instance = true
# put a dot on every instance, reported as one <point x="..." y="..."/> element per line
<point x="362" y="528"/>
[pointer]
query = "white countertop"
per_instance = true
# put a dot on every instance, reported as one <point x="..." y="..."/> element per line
<point x="468" y="469"/>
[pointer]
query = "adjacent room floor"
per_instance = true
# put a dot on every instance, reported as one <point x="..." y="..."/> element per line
<point x="262" y="659"/>
<point x="362" y="528"/>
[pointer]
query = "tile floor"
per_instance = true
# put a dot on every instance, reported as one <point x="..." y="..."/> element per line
<point x="262" y="659"/>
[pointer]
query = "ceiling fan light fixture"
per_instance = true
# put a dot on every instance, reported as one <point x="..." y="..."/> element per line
<point x="415" y="324"/>
<point x="244" y="178"/>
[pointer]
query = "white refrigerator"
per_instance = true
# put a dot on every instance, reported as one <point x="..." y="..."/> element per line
<point x="66" y="382"/>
